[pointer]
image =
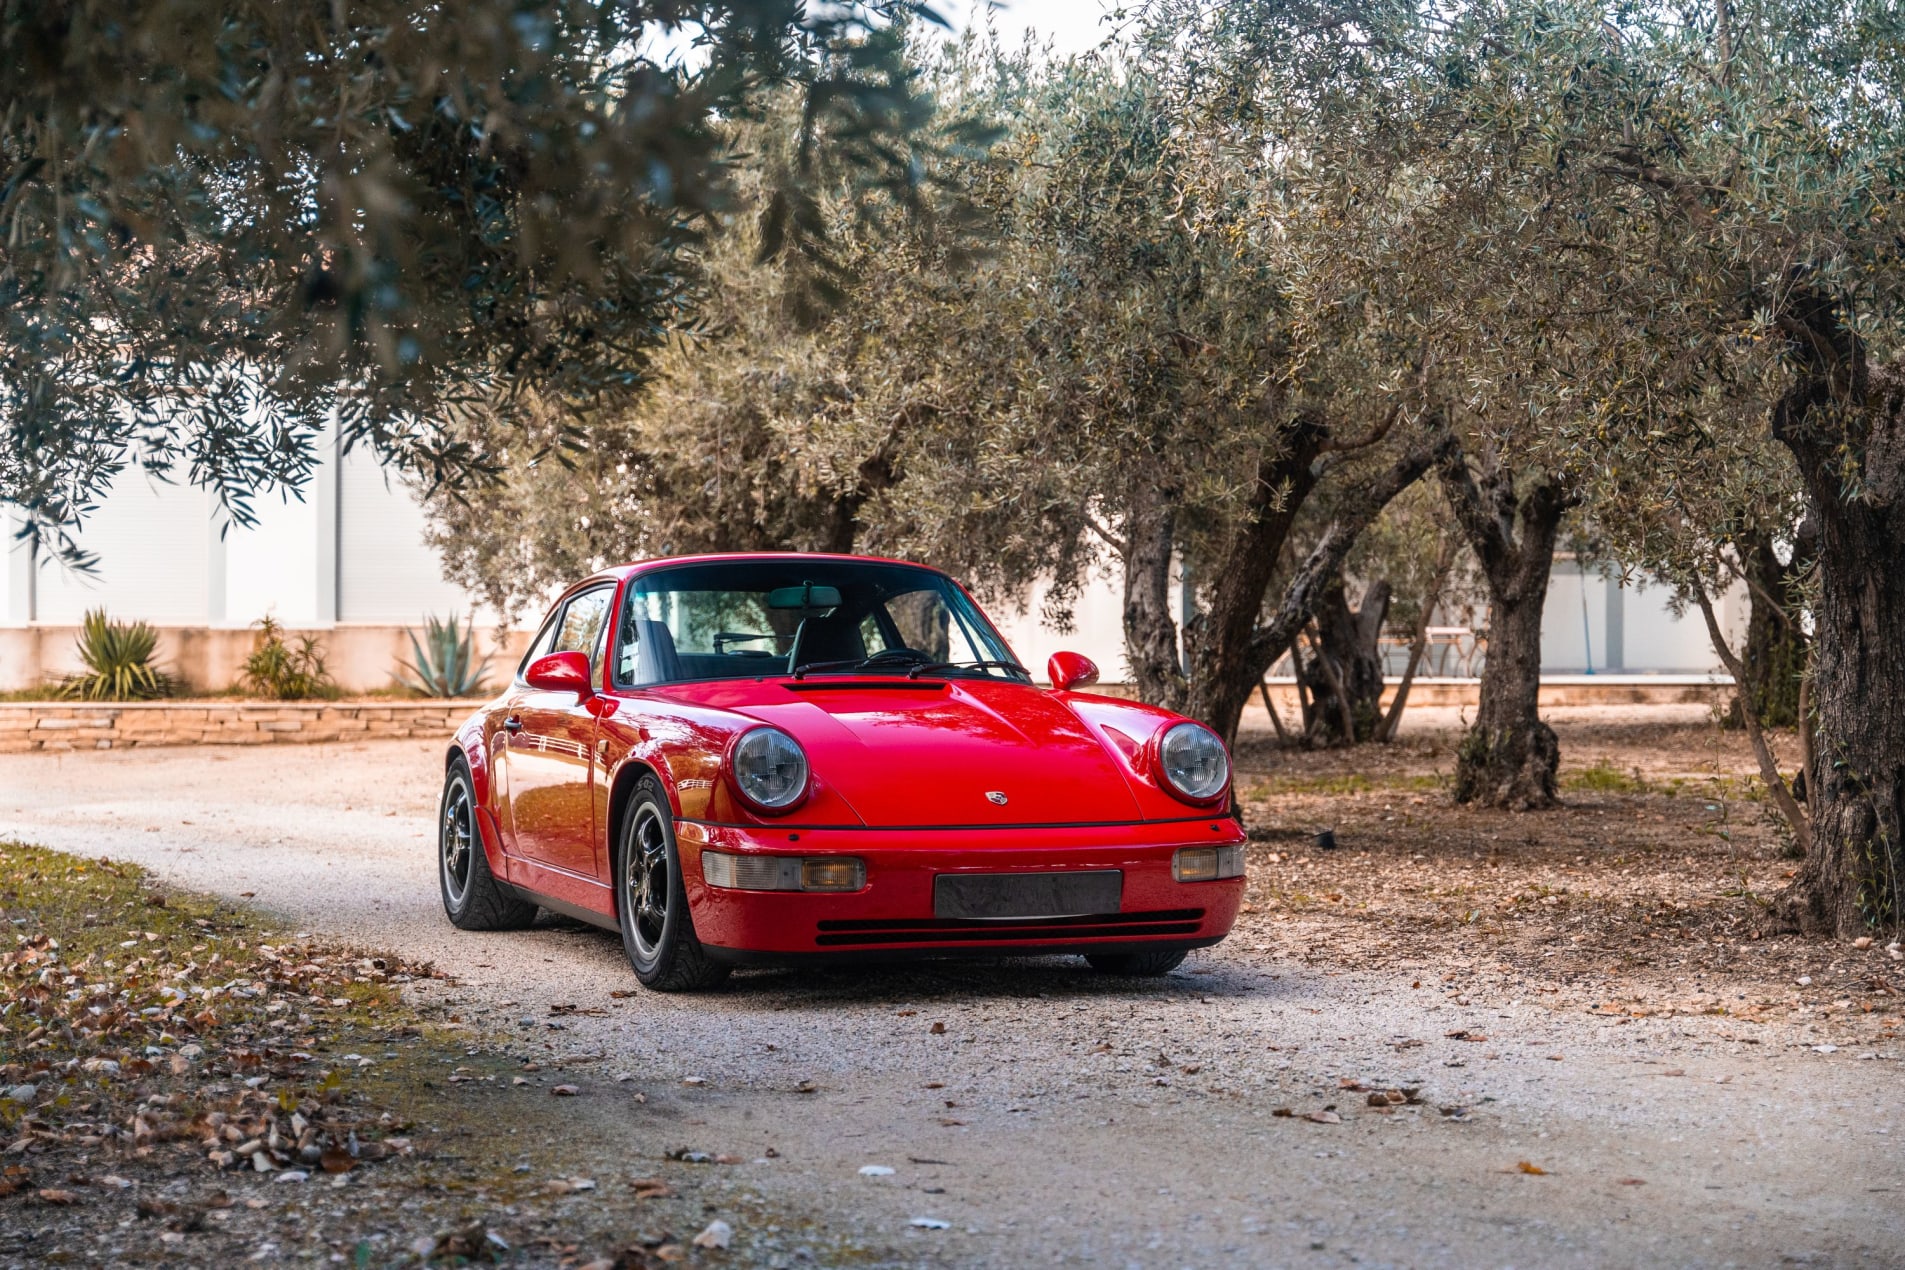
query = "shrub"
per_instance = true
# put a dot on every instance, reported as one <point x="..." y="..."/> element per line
<point x="444" y="664"/>
<point x="278" y="668"/>
<point x="119" y="662"/>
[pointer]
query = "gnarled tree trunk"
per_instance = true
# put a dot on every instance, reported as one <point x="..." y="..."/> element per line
<point x="1150" y="633"/>
<point x="1509" y="757"/>
<point x="1775" y="652"/>
<point x="1846" y="427"/>
<point x="1230" y="649"/>
<point x="1351" y="639"/>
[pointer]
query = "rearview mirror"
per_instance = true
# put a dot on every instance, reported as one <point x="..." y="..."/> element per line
<point x="806" y="597"/>
<point x="560" y="672"/>
<point x="1071" y="670"/>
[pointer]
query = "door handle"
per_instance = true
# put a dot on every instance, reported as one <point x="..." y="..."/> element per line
<point x="512" y="724"/>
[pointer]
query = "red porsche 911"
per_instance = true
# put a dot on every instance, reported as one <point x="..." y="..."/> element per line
<point x="738" y="759"/>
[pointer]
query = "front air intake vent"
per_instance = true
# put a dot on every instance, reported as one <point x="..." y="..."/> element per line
<point x="1068" y="930"/>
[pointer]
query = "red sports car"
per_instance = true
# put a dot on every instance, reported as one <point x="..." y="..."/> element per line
<point x="741" y="759"/>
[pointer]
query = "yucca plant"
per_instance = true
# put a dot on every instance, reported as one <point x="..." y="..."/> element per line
<point x="444" y="662"/>
<point x="118" y="659"/>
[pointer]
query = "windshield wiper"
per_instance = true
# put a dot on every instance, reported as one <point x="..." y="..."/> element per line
<point x="886" y="659"/>
<point x="940" y="667"/>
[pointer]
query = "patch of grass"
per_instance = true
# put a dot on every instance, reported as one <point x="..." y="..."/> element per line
<point x="1346" y="784"/>
<point x="1602" y="777"/>
<point x="157" y="1018"/>
<point x="172" y="1041"/>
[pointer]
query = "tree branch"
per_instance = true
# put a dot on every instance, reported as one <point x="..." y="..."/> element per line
<point x="1327" y="556"/>
<point x="1768" y="766"/>
<point x="1373" y="437"/>
<point x="1112" y="540"/>
<point x="1487" y="537"/>
<point x="1419" y="646"/>
<point x="1345" y="719"/>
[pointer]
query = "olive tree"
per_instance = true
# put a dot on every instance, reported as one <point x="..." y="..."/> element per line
<point x="227" y="221"/>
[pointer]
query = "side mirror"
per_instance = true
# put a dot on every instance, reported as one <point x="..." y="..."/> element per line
<point x="1071" y="670"/>
<point x="560" y="672"/>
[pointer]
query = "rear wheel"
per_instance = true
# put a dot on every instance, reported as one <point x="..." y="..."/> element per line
<point x="651" y="903"/>
<point x="1147" y="964"/>
<point x="472" y="897"/>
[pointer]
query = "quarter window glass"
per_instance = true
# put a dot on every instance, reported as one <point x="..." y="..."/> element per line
<point x="582" y="624"/>
<point x="539" y="646"/>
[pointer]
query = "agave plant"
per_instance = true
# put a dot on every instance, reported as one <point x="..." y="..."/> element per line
<point x="445" y="662"/>
<point x="119" y="662"/>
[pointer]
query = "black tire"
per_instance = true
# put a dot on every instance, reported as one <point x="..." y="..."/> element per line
<point x="1148" y="964"/>
<point x="651" y="903"/>
<point x="472" y="897"/>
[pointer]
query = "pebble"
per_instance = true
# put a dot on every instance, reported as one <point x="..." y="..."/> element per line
<point x="22" y="1093"/>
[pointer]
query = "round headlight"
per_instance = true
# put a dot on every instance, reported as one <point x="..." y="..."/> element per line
<point x="770" y="769"/>
<point x="1194" y="762"/>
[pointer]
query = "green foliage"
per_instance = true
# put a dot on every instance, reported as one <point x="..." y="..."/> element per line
<point x="444" y="662"/>
<point x="773" y="426"/>
<point x="286" y="670"/>
<point x="119" y="662"/>
<point x="228" y="219"/>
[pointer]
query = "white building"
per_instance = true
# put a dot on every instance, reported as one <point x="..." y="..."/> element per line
<point x="349" y="560"/>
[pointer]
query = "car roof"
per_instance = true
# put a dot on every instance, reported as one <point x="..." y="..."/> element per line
<point x="619" y="572"/>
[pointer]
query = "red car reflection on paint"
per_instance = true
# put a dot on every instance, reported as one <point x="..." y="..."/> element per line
<point x="740" y="759"/>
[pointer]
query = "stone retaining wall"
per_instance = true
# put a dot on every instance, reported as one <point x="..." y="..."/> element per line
<point x="73" y="725"/>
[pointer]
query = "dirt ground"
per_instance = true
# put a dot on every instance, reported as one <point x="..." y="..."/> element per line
<point x="1594" y="1060"/>
<point x="1645" y="893"/>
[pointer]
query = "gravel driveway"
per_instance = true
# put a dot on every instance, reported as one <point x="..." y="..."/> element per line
<point x="1052" y="1117"/>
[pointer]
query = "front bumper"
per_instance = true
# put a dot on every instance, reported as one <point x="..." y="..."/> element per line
<point x="892" y="915"/>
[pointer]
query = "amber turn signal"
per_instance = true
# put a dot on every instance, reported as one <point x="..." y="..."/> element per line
<point x="783" y="873"/>
<point x="1207" y="864"/>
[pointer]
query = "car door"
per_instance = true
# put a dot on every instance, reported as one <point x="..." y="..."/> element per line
<point x="552" y="753"/>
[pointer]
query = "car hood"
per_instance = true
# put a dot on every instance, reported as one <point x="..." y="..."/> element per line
<point x="961" y="752"/>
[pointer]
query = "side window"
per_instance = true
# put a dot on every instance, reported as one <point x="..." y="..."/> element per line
<point x="872" y="636"/>
<point x="582" y="623"/>
<point x="926" y="623"/>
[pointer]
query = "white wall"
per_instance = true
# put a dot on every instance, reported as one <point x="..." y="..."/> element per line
<point x="351" y="549"/>
<point x="385" y="572"/>
<point x="273" y="566"/>
<point x="1591" y="623"/>
<point x="154" y="542"/>
<point x="1097" y="631"/>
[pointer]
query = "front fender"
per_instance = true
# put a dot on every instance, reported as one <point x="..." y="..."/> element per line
<point x="471" y="743"/>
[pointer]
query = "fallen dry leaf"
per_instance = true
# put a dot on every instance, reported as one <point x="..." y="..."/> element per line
<point x="717" y="1235"/>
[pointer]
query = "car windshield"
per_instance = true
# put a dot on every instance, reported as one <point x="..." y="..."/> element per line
<point x="744" y="619"/>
